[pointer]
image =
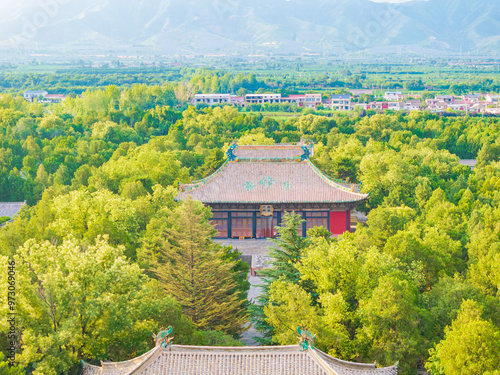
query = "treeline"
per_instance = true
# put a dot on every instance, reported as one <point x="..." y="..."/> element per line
<point x="104" y="237"/>
<point x="238" y="81"/>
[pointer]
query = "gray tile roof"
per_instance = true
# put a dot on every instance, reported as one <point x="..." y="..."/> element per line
<point x="263" y="181"/>
<point x="10" y="209"/>
<point x="265" y="360"/>
<point x="272" y="151"/>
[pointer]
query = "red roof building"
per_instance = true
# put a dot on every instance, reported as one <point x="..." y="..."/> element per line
<point x="252" y="190"/>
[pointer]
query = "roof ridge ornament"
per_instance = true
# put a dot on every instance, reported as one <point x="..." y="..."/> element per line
<point x="306" y="338"/>
<point x="306" y="154"/>
<point x="162" y="338"/>
<point x="230" y="152"/>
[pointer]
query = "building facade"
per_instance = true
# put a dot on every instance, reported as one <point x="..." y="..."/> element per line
<point x="257" y="185"/>
<point x="33" y="94"/>
<point x="393" y="95"/>
<point x="211" y="99"/>
<point x="262" y="98"/>
<point x="340" y="102"/>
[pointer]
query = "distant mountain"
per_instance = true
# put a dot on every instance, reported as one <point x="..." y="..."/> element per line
<point x="257" y="26"/>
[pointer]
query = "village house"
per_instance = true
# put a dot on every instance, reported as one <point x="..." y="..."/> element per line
<point x="472" y="98"/>
<point x="238" y="101"/>
<point x="412" y="105"/>
<point x="34" y="94"/>
<point x="211" y="99"/>
<point x="53" y="98"/>
<point x="393" y="96"/>
<point x="312" y="100"/>
<point x="492" y="98"/>
<point x="380" y="106"/>
<point x="340" y="102"/>
<point x="297" y="99"/>
<point x="459" y="105"/>
<point x="445" y="98"/>
<point x="436" y="105"/>
<point x="262" y="98"/>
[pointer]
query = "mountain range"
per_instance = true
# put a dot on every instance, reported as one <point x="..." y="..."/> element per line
<point x="260" y="26"/>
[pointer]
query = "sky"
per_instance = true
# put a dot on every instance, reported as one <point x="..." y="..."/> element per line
<point x="394" y="1"/>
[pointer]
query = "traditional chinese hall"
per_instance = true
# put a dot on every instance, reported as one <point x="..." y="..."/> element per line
<point x="256" y="185"/>
<point x="169" y="359"/>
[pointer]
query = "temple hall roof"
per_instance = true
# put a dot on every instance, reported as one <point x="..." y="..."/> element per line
<point x="264" y="360"/>
<point x="271" y="151"/>
<point x="10" y="209"/>
<point x="271" y="174"/>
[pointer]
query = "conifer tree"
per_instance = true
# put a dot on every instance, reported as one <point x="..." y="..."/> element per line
<point x="283" y="257"/>
<point x="191" y="268"/>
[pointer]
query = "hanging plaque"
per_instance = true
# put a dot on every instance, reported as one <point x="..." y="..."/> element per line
<point x="266" y="210"/>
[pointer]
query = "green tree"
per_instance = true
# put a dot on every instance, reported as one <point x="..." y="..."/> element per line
<point x="83" y="302"/>
<point x="471" y="345"/>
<point x="189" y="267"/>
<point x="212" y="162"/>
<point x="255" y="139"/>
<point x="390" y="320"/>
<point x="6" y="369"/>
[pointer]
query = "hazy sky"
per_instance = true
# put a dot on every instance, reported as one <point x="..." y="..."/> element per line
<point x="391" y="1"/>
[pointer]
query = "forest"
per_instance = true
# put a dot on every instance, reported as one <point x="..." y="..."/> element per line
<point x="101" y="251"/>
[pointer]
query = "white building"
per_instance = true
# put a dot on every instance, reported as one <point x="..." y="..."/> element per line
<point x="412" y="105"/>
<point x="238" y="101"/>
<point x="262" y="98"/>
<point x="211" y="99"/>
<point x="461" y="105"/>
<point x="473" y="98"/>
<point x="437" y="105"/>
<point x="340" y="102"/>
<point x="395" y="96"/>
<point x="312" y="100"/>
<point x="492" y="98"/>
<point x="445" y="98"/>
<point x="31" y="94"/>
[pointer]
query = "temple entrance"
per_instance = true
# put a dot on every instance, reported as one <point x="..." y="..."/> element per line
<point x="266" y="226"/>
<point x="242" y="224"/>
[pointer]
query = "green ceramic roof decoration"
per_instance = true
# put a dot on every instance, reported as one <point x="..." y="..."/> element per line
<point x="287" y="185"/>
<point x="267" y="182"/>
<point x="306" y="338"/>
<point x="162" y="338"/>
<point x="248" y="186"/>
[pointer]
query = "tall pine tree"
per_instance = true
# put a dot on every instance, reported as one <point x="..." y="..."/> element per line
<point x="192" y="269"/>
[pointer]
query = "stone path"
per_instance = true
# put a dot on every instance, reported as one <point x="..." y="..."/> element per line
<point x="253" y="292"/>
<point x="253" y="251"/>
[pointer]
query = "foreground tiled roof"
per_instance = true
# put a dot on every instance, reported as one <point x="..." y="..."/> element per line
<point x="266" y="360"/>
<point x="10" y="209"/>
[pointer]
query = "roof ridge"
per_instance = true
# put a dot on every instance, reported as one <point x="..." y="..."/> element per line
<point x="328" y="179"/>
<point x="203" y="181"/>
<point x="277" y="348"/>
<point x="358" y="364"/>
<point x="153" y="353"/>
